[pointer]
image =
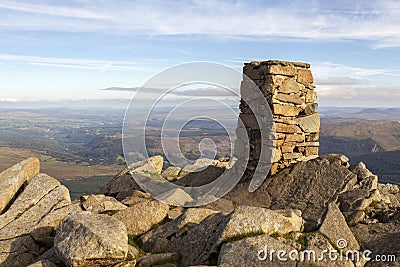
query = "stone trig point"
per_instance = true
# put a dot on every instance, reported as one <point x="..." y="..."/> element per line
<point x="288" y="89"/>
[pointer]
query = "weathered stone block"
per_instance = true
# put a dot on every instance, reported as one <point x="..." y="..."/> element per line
<point x="311" y="96"/>
<point x="282" y="70"/>
<point x="295" y="138"/>
<point x="262" y="220"/>
<point x="312" y="137"/>
<point x="289" y="86"/>
<point x="287" y="128"/>
<point x="310" y="144"/>
<point x="285" y="120"/>
<point x="280" y="142"/>
<point x="304" y="76"/>
<point x="287" y="149"/>
<point x="311" y="151"/>
<point x="291" y="155"/>
<point x="286" y="110"/>
<point x="276" y="155"/>
<point x="275" y="79"/>
<point x="295" y="99"/>
<point x="310" y="109"/>
<point x="310" y="124"/>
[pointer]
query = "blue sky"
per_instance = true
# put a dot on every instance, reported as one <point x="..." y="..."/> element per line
<point x="70" y="50"/>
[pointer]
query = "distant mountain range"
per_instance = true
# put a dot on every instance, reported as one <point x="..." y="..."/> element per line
<point x="370" y="135"/>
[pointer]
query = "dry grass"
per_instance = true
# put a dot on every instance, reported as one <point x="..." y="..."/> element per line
<point x="56" y="169"/>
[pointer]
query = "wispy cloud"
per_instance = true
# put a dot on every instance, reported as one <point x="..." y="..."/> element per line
<point x="52" y="10"/>
<point x="376" y="21"/>
<point x="89" y="64"/>
<point x="208" y="91"/>
<point x="328" y="69"/>
<point x="337" y="82"/>
<point x="341" y="81"/>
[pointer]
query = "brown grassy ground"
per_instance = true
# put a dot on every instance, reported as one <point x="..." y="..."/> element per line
<point x="56" y="169"/>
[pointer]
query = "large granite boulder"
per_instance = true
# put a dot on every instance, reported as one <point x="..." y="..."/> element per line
<point x="161" y="239"/>
<point x="124" y="182"/>
<point x="390" y="194"/>
<point x="255" y="251"/>
<point x="307" y="186"/>
<point x="14" y="178"/>
<point x="101" y="204"/>
<point x="198" y="234"/>
<point x="135" y="197"/>
<point x="249" y="220"/>
<point x="357" y="199"/>
<point x="39" y="201"/>
<point x="88" y="239"/>
<point x="141" y="217"/>
<point x="318" y="245"/>
<point x="28" y="226"/>
<point x="335" y="228"/>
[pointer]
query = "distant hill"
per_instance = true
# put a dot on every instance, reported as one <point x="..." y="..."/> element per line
<point x="348" y="146"/>
<point x="385" y="134"/>
<point x="385" y="164"/>
<point x="341" y="115"/>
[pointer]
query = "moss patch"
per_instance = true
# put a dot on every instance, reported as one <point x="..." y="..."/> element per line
<point x="242" y="236"/>
<point x="110" y="212"/>
<point x="131" y="241"/>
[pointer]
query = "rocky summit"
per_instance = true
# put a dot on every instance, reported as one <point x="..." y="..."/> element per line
<point x="309" y="211"/>
<point x="312" y="205"/>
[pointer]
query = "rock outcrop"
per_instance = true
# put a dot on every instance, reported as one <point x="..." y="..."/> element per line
<point x="88" y="239"/>
<point x="307" y="211"/>
<point x="141" y="217"/>
<point x="28" y="225"/>
<point x="101" y="204"/>
<point x="253" y="251"/>
<point x="15" y="178"/>
<point x="307" y="186"/>
<point x="124" y="183"/>
<point x="311" y="205"/>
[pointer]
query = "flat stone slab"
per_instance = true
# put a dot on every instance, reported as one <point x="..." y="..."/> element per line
<point x="12" y="179"/>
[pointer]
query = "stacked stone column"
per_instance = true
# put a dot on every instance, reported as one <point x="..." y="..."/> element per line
<point x="288" y="89"/>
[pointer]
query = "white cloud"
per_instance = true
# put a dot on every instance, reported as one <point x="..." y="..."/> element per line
<point x="8" y="100"/>
<point x="377" y="93"/>
<point x="339" y="84"/>
<point x="377" y="21"/>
